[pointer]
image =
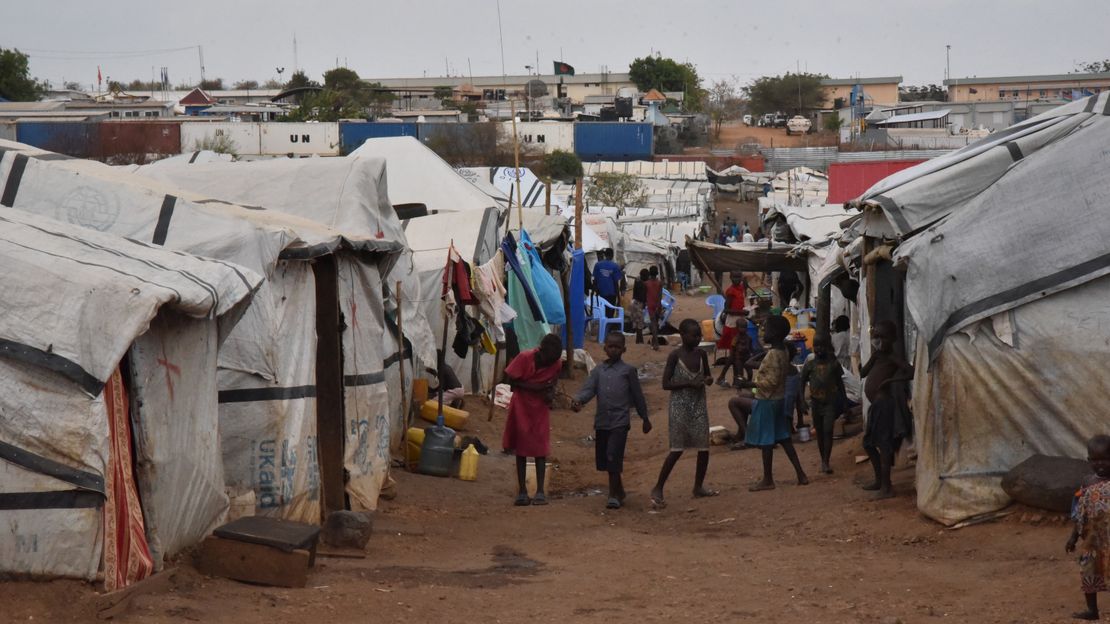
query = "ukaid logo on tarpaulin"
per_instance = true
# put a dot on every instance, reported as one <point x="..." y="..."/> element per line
<point x="277" y="472"/>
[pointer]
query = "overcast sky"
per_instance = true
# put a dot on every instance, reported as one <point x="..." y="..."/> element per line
<point x="248" y="39"/>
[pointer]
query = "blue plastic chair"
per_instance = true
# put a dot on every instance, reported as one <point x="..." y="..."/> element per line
<point x="667" y="302"/>
<point x="668" y="305"/>
<point x="717" y="302"/>
<point x="598" y="309"/>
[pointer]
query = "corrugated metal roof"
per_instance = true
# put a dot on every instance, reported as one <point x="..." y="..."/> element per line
<point x="1023" y="79"/>
<point x="912" y="117"/>
<point x="848" y="82"/>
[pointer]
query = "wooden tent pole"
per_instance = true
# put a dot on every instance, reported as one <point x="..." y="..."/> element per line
<point x="547" y="198"/>
<point x="406" y="406"/>
<point x="446" y="320"/>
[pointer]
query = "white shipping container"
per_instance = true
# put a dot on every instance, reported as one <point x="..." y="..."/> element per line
<point x="543" y="136"/>
<point x="299" y="139"/>
<point x="241" y="137"/>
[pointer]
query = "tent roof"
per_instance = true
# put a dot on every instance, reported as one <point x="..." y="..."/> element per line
<point x="417" y="175"/>
<point x="750" y="257"/>
<point x="985" y="249"/>
<point x="75" y="299"/>
<point x="912" y="117"/>
<point x="346" y="194"/>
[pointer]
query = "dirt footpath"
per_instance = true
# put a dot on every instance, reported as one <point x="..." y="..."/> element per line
<point x="447" y="550"/>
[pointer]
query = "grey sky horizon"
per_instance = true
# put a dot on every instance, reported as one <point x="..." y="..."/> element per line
<point x="68" y="39"/>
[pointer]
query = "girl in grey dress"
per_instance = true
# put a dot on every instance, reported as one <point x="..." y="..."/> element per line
<point x="686" y="376"/>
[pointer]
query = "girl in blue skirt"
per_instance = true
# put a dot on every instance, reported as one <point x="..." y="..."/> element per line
<point x="769" y="425"/>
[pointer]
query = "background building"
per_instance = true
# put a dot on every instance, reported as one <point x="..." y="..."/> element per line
<point x="1047" y="87"/>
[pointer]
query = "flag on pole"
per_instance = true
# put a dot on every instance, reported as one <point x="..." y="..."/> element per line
<point x="562" y="69"/>
<point x="99" y="78"/>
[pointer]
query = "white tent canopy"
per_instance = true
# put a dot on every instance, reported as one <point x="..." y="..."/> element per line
<point x="350" y="195"/>
<point x="78" y="303"/>
<point x="417" y="175"/>
<point x="1009" y="355"/>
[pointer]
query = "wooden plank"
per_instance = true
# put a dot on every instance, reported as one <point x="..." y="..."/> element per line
<point x="116" y="603"/>
<point x="253" y="563"/>
<point x="329" y="386"/>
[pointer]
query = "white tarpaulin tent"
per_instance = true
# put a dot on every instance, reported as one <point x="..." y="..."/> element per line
<point x="349" y="195"/>
<point x="268" y="375"/>
<point x="417" y="175"/>
<point x="1011" y="353"/>
<point x="80" y="307"/>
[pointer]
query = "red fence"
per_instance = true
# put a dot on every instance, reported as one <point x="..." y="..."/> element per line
<point x="848" y="180"/>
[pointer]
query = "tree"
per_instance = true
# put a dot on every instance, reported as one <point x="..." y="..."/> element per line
<point x="300" y="79"/>
<point x="16" y="83"/>
<point x="246" y="85"/>
<point x="1093" y="67"/>
<point x="272" y="84"/>
<point x="927" y="93"/>
<point x="789" y="92"/>
<point x="833" y="122"/>
<point x="665" y="74"/>
<point x="619" y="190"/>
<point x="212" y="84"/>
<point x="562" y="165"/>
<point x="73" y="85"/>
<point x="723" y="104"/>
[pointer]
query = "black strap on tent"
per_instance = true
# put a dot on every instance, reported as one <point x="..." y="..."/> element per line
<point x="1090" y="107"/>
<point x="1015" y="150"/>
<point x="254" y="395"/>
<point x="194" y="158"/>
<point x="162" y="229"/>
<point x="1106" y="109"/>
<point x="65" y="499"/>
<point x="895" y="213"/>
<point x="14" y="177"/>
<point x="52" y="361"/>
<point x="42" y="465"/>
<point x="365" y="379"/>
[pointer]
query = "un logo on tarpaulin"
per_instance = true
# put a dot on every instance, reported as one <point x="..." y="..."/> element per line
<point x="88" y="207"/>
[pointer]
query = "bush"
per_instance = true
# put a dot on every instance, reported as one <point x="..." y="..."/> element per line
<point x="562" y="165"/>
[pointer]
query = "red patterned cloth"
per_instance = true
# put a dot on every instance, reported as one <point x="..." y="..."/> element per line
<point x="126" y="553"/>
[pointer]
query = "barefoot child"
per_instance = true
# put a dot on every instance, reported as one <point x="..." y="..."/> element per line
<point x="654" y="304"/>
<point x="532" y="376"/>
<point x="825" y="379"/>
<point x="734" y="335"/>
<point x="639" y="303"/>
<point x="769" y="425"/>
<point x="685" y="376"/>
<point x="1091" y="512"/>
<point x="617" y="388"/>
<point x="888" y="418"/>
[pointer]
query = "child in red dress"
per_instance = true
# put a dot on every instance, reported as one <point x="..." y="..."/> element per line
<point x="532" y="376"/>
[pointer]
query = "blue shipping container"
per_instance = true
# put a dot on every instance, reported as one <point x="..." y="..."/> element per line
<point x="72" y="138"/>
<point x="613" y="141"/>
<point x="352" y="134"/>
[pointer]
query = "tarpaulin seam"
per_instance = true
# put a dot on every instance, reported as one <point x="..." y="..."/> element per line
<point x="52" y="361"/>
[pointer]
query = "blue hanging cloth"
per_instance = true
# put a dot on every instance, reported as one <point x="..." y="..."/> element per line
<point x="545" y="286"/>
<point x="509" y="249"/>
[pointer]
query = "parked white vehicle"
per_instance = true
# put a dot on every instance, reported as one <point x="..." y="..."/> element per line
<point x="798" y="125"/>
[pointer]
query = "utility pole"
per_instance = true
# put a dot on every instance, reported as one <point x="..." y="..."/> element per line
<point x="948" y="71"/>
<point x="200" y="52"/>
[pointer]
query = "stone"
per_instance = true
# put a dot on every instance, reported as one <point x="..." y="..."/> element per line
<point x="1046" y="482"/>
<point x="347" y="529"/>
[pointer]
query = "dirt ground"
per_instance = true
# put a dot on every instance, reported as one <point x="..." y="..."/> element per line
<point x="734" y="134"/>
<point x="448" y="550"/>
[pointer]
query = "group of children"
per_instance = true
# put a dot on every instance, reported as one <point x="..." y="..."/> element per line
<point x="758" y="408"/>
